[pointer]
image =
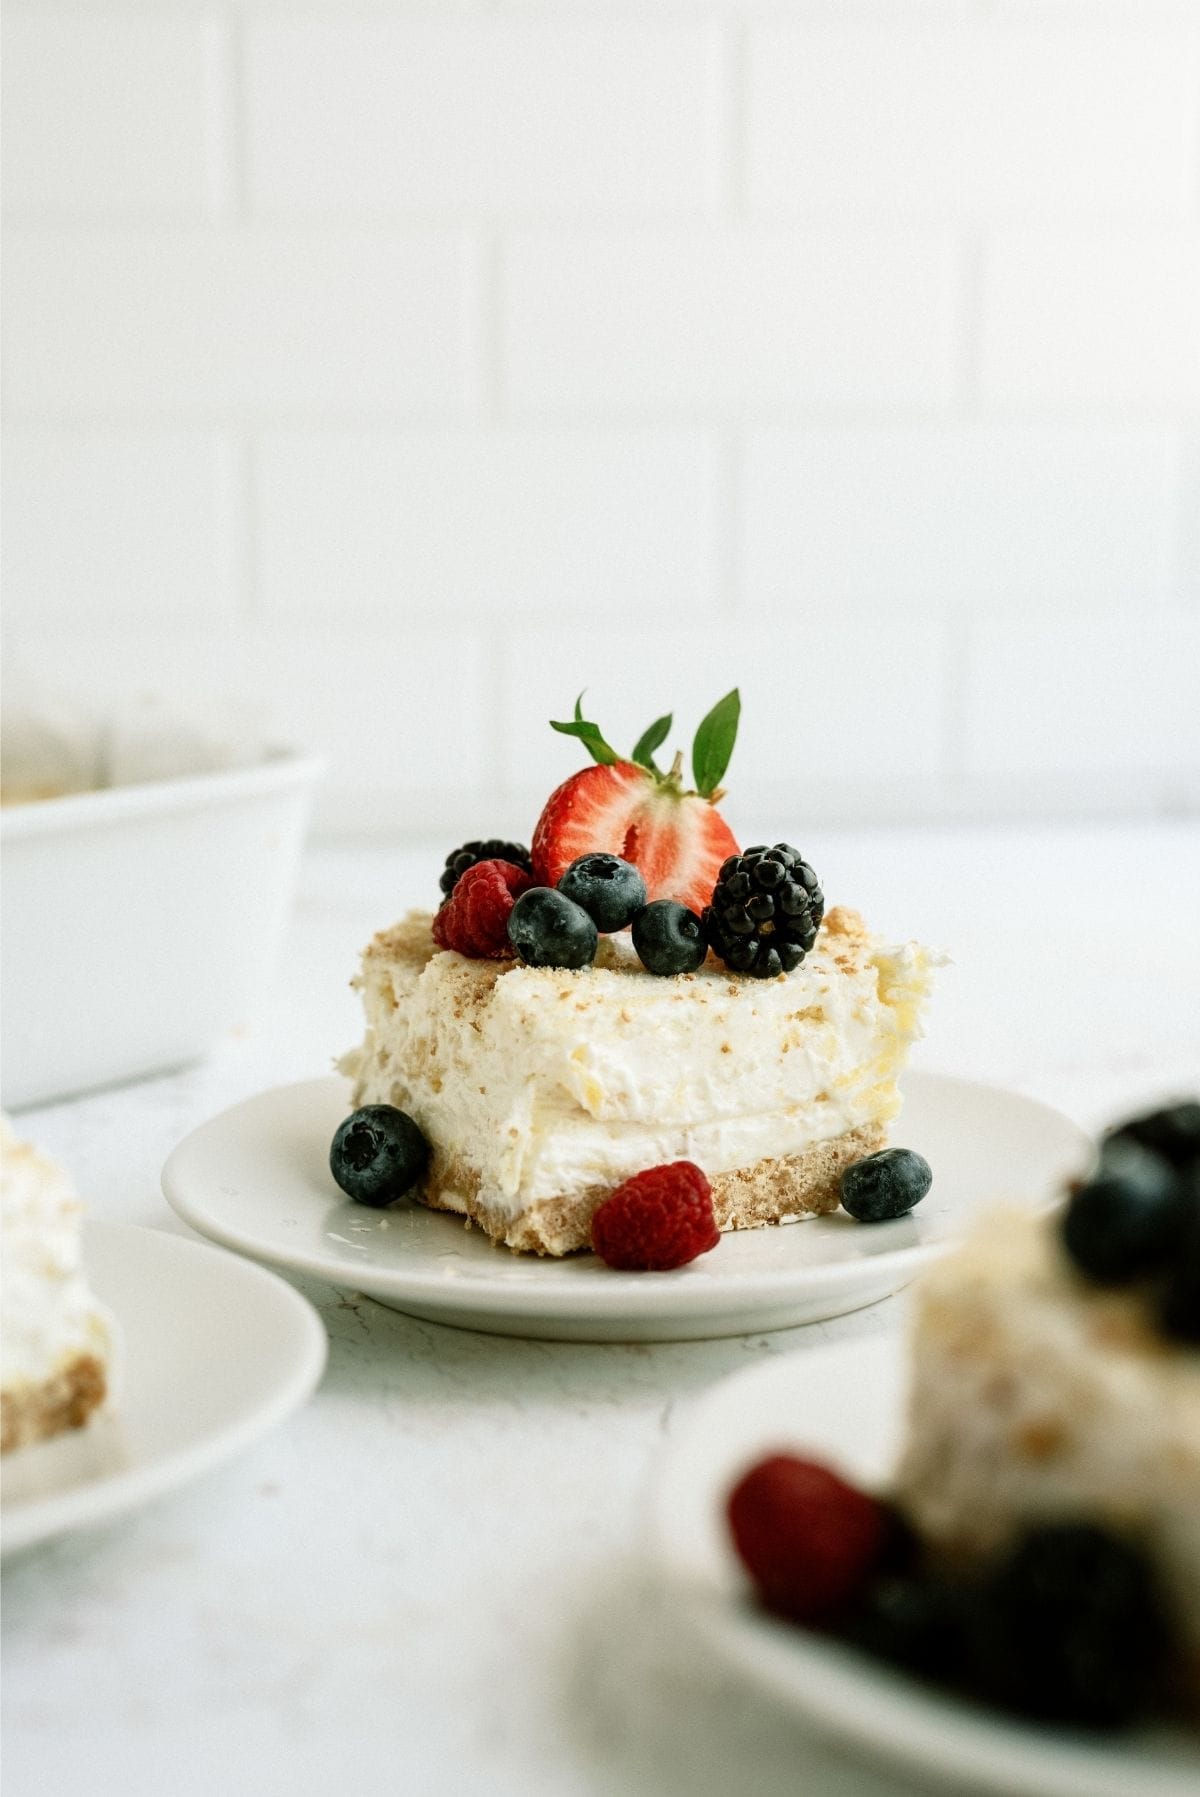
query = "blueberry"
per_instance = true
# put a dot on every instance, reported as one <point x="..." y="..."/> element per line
<point x="1125" y="1221"/>
<point x="885" y="1185"/>
<point x="668" y="938"/>
<point x="610" y="890"/>
<point x="377" y="1154"/>
<point x="1068" y="1627"/>
<point x="547" y="929"/>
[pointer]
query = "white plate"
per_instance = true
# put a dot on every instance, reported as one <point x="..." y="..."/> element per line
<point x="257" y="1179"/>
<point x="799" y="1402"/>
<point x="213" y="1352"/>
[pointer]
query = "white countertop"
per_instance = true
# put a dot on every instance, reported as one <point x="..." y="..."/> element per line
<point x="429" y="1579"/>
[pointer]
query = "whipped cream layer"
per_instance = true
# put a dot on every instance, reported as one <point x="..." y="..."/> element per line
<point x="545" y="1082"/>
<point x="48" y="1316"/>
<point x="1038" y="1395"/>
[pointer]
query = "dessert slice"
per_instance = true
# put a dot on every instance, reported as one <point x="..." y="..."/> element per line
<point x="1040" y="1396"/>
<point x="56" y="1341"/>
<point x="540" y="1089"/>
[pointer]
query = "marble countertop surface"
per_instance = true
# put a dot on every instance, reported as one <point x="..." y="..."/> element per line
<point x="431" y="1579"/>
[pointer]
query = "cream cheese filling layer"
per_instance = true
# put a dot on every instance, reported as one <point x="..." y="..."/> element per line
<point x="559" y="1081"/>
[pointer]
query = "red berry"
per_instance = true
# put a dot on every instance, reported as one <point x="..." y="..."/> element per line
<point x="808" y="1539"/>
<point x="677" y="840"/>
<point x="474" y="919"/>
<point x="659" y="1219"/>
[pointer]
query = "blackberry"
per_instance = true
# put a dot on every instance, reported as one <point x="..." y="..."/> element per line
<point x="915" y="1620"/>
<point x="766" y="908"/>
<point x="472" y="853"/>
<point x="1068" y="1627"/>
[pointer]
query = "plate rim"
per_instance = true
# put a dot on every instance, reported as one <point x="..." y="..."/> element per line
<point x="622" y="1297"/>
<point x="28" y="1523"/>
<point x="896" y="1719"/>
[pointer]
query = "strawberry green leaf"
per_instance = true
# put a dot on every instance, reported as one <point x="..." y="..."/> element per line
<point x="589" y="735"/>
<point x="651" y="739"/>
<point x="714" y="743"/>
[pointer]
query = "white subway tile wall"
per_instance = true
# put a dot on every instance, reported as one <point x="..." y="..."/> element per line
<point x="410" y="366"/>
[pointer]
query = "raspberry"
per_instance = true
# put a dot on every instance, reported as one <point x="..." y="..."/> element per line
<point x="659" y="1219"/>
<point x="474" y="919"/>
<point x="810" y="1541"/>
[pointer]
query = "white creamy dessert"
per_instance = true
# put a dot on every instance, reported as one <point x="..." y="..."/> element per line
<point x="1036" y="1396"/>
<point x="56" y="1341"/>
<point x="541" y="1089"/>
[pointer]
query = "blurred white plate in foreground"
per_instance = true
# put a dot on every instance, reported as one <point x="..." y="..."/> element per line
<point x="257" y="1179"/>
<point x="846" y="1404"/>
<point x="213" y="1353"/>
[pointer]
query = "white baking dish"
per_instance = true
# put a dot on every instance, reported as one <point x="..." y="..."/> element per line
<point x="139" y="922"/>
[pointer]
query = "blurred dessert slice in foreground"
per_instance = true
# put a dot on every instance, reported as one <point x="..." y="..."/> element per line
<point x="1056" y="1371"/>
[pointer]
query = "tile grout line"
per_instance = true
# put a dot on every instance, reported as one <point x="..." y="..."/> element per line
<point x="969" y="361"/>
<point x="236" y="141"/>
<point x="731" y="103"/>
<point x="726" y="523"/>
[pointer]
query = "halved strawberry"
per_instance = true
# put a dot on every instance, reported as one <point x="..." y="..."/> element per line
<point x="676" y="839"/>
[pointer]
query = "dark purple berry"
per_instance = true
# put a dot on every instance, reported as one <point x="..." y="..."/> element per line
<point x="668" y="938"/>
<point x="378" y="1154"/>
<point x="1068" y="1627"/>
<point x="472" y="853"/>
<point x="885" y="1185"/>
<point x="1172" y="1132"/>
<point x="1125" y="1221"/>
<point x="610" y="890"/>
<point x="547" y="929"/>
<point x="765" y="911"/>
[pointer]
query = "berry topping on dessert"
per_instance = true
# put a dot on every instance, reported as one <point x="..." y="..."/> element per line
<point x="1051" y="1466"/>
<point x="378" y="1154"/>
<point x="669" y="938"/>
<point x="1069" y="1626"/>
<point x="659" y="1219"/>
<point x="809" y="1540"/>
<point x="676" y="838"/>
<point x="765" y="911"/>
<point x="885" y="1185"/>
<point x="474" y="919"/>
<point x="578" y="1026"/>
<point x="1064" y="1623"/>
<point x="1172" y="1132"/>
<point x="915" y="1619"/>
<point x="547" y="929"/>
<point x="610" y="890"/>
<point x="1125" y="1220"/>
<point x="471" y="853"/>
<point x="1136" y="1221"/>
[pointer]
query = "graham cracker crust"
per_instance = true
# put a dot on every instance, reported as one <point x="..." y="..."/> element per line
<point x="769" y="1191"/>
<point x="64" y="1401"/>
